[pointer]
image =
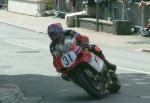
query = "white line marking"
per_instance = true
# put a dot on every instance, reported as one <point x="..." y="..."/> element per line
<point x="137" y="50"/>
<point x="138" y="71"/>
<point x="21" y="45"/>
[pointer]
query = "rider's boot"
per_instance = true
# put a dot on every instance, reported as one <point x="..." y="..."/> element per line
<point x="97" y="51"/>
<point x="110" y="66"/>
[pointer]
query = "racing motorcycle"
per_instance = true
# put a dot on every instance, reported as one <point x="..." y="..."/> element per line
<point x="88" y="71"/>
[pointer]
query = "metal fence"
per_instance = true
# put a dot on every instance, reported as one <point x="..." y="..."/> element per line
<point x="135" y="14"/>
<point x="62" y="7"/>
<point x="3" y="6"/>
<point x="118" y="11"/>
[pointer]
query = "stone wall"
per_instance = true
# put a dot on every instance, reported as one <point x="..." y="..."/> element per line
<point x="29" y="7"/>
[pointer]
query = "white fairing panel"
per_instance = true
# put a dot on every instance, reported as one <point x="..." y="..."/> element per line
<point x="68" y="59"/>
<point x="96" y="63"/>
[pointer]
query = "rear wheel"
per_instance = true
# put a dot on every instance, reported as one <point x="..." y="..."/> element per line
<point x="115" y="86"/>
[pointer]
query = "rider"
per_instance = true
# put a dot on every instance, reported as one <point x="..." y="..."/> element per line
<point x="58" y="36"/>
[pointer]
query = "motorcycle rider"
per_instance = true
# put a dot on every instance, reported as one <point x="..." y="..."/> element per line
<point x="58" y="37"/>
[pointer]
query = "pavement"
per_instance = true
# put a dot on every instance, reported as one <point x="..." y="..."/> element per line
<point x="10" y="93"/>
<point x="40" y="24"/>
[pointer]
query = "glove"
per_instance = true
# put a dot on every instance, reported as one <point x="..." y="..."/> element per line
<point x="82" y="40"/>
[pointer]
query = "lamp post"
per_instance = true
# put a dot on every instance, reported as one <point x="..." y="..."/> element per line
<point x="142" y="17"/>
<point x="97" y="13"/>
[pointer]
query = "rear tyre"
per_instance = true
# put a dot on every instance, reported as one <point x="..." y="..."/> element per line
<point x="115" y="86"/>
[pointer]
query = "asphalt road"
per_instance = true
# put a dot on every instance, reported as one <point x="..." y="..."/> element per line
<point x="25" y="61"/>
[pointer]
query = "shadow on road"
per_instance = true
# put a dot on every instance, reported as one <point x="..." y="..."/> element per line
<point x="55" y="90"/>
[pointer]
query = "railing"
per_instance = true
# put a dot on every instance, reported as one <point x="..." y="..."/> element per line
<point x="3" y="6"/>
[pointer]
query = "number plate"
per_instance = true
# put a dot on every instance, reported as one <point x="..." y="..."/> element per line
<point x="68" y="59"/>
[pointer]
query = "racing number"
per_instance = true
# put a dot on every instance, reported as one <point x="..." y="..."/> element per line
<point x="67" y="59"/>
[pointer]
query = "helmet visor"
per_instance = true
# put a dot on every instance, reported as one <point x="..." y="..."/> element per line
<point x="56" y="37"/>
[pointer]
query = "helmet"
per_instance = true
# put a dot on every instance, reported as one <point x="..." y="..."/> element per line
<point x="55" y="32"/>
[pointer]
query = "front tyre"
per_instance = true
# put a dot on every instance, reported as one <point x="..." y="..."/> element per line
<point x="90" y="81"/>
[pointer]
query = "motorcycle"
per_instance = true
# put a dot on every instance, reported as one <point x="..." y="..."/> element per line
<point x="88" y="71"/>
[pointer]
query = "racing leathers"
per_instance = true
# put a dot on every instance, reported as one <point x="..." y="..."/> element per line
<point x="80" y="40"/>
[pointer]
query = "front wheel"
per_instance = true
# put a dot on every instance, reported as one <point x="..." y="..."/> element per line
<point x="90" y="81"/>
